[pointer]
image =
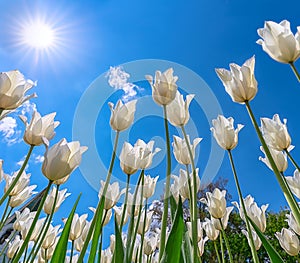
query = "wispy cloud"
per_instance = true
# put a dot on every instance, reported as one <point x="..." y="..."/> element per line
<point x="10" y="131"/>
<point x="38" y="158"/>
<point x="118" y="79"/>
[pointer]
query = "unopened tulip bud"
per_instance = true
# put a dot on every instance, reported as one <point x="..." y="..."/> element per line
<point x="256" y="239"/>
<point x="288" y="241"/>
<point x="216" y="203"/>
<point x="279" y="157"/>
<point x="61" y="196"/>
<point x="210" y="230"/>
<point x="149" y="186"/>
<point x="14" y="246"/>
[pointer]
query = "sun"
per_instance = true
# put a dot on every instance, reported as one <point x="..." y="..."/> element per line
<point x="38" y="35"/>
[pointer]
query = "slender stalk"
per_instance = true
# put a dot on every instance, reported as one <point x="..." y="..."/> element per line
<point x="289" y="198"/>
<point x="292" y="160"/>
<point x="46" y="260"/>
<point x="222" y="248"/>
<point x="217" y="252"/>
<point x="226" y="241"/>
<point x="2" y="222"/>
<point x="38" y="212"/>
<point x="95" y="226"/>
<point x="125" y="203"/>
<point x="7" y="216"/>
<point x="190" y="193"/>
<point x="72" y="251"/>
<point x="18" y="175"/>
<point x="252" y="245"/>
<point x="1" y="110"/>
<point x="6" y="245"/>
<point x="167" y="189"/>
<point x="194" y="198"/>
<point x="143" y="234"/>
<point x="295" y="70"/>
<point x="25" y="254"/>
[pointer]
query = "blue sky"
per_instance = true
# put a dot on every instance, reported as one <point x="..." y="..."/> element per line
<point x="200" y="35"/>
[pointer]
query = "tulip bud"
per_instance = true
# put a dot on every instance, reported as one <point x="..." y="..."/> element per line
<point x="224" y="132"/>
<point x="77" y="226"/>
<point x="292" y="223"/>
<point x="146" y="153"/>
<point x="201" y="244"/>
<point x="275" y="133"/>
<point x="144" y="222"/>
<point x="178" y="109"/>
<point x="164" y="86"/>
<point x="210" y="230"/>
<point x="256" y="239"/>
<point x="257" y="215"/>
<point x="150" y="244"/>
<point x="61" y="159"/>
<point x="279" y="42"/>
<point x="129" y="158"/>
<point x="22" y="197"/>
<point x="119" y="213"/>
<point x="14" y="246"/>
<point x="21" y="184"/>
<point x="61" y="196"/>
<point x="294" y="183"/>
<point x="122" y="115"/>
<point x="112" y="195"/>
<point x="279" y="157"/>
<point x="199" y="229"/>
<point x="39" y="127"/>
<point x="288" y="241"/>
<point x="216" y="203"/>
<point x="149" y="186"/>
<point x="239" y="82"/>
<point x="13" y="87"/>
<point x="224" y="219"/>
<point x="22" y="218"/>
<point x="51" y="236"/>
<point x="180" y="149"/>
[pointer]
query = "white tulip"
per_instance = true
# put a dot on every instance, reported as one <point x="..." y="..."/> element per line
<point x="49" y="202"/>
<point x="256" y="239"/>
<point x="51" y="236"/>
<point x="150" y="244"/>
<point x="149" y="186"/>
<point x="294" y="183"/>
<point x="119" y="213"/>
<point x="144" y="221"/>
<point x="22" y="218"/>
<point x="21" y="184"/>
<point x="77" y="226"/>
<point x="199" y="229"/>
<point x="146" y="153"/>
<point x="112" y="195"/>
<point x="279" y="157"/>
<point x="22" y="197"/>
<point x="14" y="246"/>
<point x="292" y="223"/>
<point x="288" y="241"/>
<point x="279" y="42"/>
<point x="210" y="230"/>
<point x="216" y="203"/>
<point x="239" y="82"/>
<point x="224" y="219"/>
<point x="201" y="244"/>
<point x="106" y="256"/>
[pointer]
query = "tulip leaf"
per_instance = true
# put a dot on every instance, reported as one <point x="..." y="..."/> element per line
<point x="173" y="247"/>
<point x="173" y="205"/>
<point x="186" y="249"/>
<point x="119" y="249"/>
<point x="62" y="245"/>
<point x="273" y="254"/>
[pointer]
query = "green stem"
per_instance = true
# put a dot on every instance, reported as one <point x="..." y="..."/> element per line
<point x="72" y="251"/>
<point x="2" y="222"/>
<point x="217" y="252"/>
<point x="194" y="199"/>
<point x="25" y="254"/>
<point x="6" y="245"/>
<point x="125" y="203"/>
<point x="95" y="226"/>
<point x="18" y="175"/>
<point x="289" y="198"/>
<point x="252" y="245"/>
<point x="38" y="212"/>
<point x="222" y="248"/>
<point x="295" y="70"/>
<point x="167" y="189"/>
<point x="226" y="241"/>
<point x="292" y="160"/>
<point x="190" y="193"/>
<point x="143" y="234"/>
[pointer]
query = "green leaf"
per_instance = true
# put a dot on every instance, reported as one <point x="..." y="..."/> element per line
<point x="173" y="247"/>
<point x="62" y="245"/>
<point x="173" y="206"/>
<point x="186" y="248"/>
<point x="119" y="249"/>
<point x="273" y="254"/>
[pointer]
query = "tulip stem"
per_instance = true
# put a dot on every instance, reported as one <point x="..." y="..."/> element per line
<point x="194" y="199"/>
<point x="217" y="252"/>
<point x="222" y="248"/>
<point x="125" y="203"/>
<point x="38" y="212"/>
<point x="167" y="189"/>
<point x="6" y="245"/>
<point x="252" y="245"/>
<point x="295" y="70"/>
<point x="2" y="222"/>
<point x="288" y="196"/>
<point x="95" y="226"/>
<point x="292" y="160"/>
<point x="226" y="241"/>
<point x="143" y="233"/>
<point x="18" y="175"/>
<point x="190" y="192"/>
<point x="72" y="251"/>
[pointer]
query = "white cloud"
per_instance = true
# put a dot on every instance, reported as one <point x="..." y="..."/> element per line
<point x="38" y="158"/>
<point x="118" y="79"/>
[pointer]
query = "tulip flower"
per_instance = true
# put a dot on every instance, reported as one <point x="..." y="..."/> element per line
<point x="106" y="219"/>
<point x="21" y="184"/>
<point x="292" y="223"/>
<point x="150" y="244"/>
<point x="122" y="115"/>
<point x="288" y="241"/>
<point x="119" y="213"/>
<point x="46" y="254"/>
<point x="39" y="127"/>
<point x="201" y="244"/>
<point x="210" y="230"/>
<point x="62" y="180"/>
<point x="294" y="183"/>
<point x="13" y="87"/>
<point x="149" y="186"/>
<point x="199" y="227"/>
<point x="239" y="82"/>
<point x="224" y="219"/>
<point x="137" y="203"/>
<point x="14" y="246"/>
<point x="36" y="231"/>
<point x="180" y="149"/>
<point x="275" y="133"/>
<point x="51" y="236"/>
<point x="224" y="132"/>
<point x="22" y="218"/>
<point x="256" y="239"/>
<point x="141" y="228"/>
<point x="256" y="214"/>
<point x="175" y="189"/>
<point x="22" y="197"/>
<point x="279" y="157"/>
<point x="112" y="195"/>
<point x="146" y="153"/>
<point x="164" y="86"/>
<point x="61" y="159"/>
<point x="77" y="226"/>
<point x="279" y="42"/>
<point x="216" y="203"/>
<point x="106" y="256"/>
<point x="61" y="196"/>
<point x="178" y="109"/>
<point x="129" y="158"/>
<point x="112" y="239"/>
